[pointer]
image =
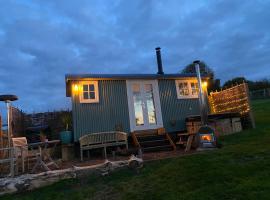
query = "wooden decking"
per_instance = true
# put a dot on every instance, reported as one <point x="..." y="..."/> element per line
<point x="153" y="140"/>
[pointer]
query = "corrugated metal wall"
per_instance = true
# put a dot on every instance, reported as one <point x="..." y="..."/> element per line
<point x="174" y="111"/>
<point x="109" y="113"/>
<point x="112" y="109"/>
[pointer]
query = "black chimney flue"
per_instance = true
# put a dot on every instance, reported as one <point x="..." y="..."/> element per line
<point x="159" y="61"/>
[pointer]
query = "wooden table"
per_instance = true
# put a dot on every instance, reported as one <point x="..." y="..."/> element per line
<point x="43" y="156"/>
<point x="188" y="142"/>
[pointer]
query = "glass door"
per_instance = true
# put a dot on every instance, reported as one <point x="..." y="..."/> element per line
<point x="143" y="105"/>
<point x="150" y="104"/>
<point x="138" y="104"/>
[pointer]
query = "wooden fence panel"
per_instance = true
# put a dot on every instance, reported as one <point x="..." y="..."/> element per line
<point x="234" y="99"/>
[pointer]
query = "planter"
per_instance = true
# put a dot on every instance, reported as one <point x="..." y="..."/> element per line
<point x="66" y="137"/>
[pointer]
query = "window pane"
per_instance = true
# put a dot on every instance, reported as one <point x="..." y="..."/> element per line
<point x="183" y="89"/>
<point x="85" y="88"/>
<point x="150" y="103"/>
<point x="85" y="95"/>
<point x="135" y="88"/>
<point x="92" y="95"/>
<point x="138" y="103"/>
<point x="91" y="87"/>
<point x="194" y="88"/>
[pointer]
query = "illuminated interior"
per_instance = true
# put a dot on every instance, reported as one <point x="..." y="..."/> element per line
<point x="144" y="105"/>
<point x="206" y="138"/>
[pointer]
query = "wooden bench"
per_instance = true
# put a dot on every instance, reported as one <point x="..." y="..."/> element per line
<point x="102" y="140"/>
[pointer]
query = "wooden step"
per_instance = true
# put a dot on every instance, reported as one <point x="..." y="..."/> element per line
<point x="158" y="148"/>
<point x="150" y="143"/>
<point x="150" y="138"/>
<point x="159" y="131"/>
<point x="153" y="140"/>
<point x="145" y="132"/>
<point x="147" y="136"/>
<point x="182" y="142"/>
<point x="182" y="134"/>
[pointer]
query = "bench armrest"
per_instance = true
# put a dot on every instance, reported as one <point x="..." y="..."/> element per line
<point x="121" y="136"/>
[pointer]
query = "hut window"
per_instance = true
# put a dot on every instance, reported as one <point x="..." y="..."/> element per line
<point x="194" y="88"/>
<point x="89" y="92"/>
<point x="186" y="89"/>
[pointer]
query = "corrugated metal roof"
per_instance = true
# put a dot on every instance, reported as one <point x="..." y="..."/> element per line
<point x="127" y="76"/>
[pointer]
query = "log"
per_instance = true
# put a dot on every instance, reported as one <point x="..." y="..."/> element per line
<point x="25" y="182"/>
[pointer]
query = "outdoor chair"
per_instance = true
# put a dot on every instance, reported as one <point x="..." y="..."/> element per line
<point x="7" y="157"/>
<point x="22" y="153"/>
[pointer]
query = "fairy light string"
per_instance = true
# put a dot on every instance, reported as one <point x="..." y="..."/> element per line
<point x="234" y="99"/>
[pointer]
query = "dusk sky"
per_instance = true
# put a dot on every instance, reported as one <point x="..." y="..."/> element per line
<point x="41" y="41"/>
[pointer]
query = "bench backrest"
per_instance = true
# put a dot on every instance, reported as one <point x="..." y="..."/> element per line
<point x="103" y="137"/>
<point x="18" y="143"/>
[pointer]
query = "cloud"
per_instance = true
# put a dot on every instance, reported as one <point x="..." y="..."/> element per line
<point x="41" y="41"/>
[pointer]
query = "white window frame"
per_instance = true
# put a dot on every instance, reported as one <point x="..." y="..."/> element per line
<point x="190" y="96"/>
<point x="96" y="100"/>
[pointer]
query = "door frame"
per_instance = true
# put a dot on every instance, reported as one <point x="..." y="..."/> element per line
<point x="131" y="112"/>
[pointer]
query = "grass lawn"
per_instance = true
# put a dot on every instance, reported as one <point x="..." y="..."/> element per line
<point x="240" y="170"/>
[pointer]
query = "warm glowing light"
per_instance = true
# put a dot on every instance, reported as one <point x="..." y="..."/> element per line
<point x="75" y="88"/>
<point x="207" y="138"/>
<point x="205" y="84"/>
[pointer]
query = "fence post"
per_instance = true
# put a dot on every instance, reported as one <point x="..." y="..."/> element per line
<point x="250" y="113"/>
<point x="12" y="163"/>
<point x="1" y="135"/>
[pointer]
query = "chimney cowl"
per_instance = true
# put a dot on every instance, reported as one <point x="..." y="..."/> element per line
<point x="196" y="61"/>
<point x="159" y="61"/>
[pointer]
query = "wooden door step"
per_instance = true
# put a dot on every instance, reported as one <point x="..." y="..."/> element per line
<point x="152" y="143"/>
<point x="182" y="134"/>
<point x="182" y="142"/>
<point x="150" y="138"/>
<point x="157" y="148"/>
